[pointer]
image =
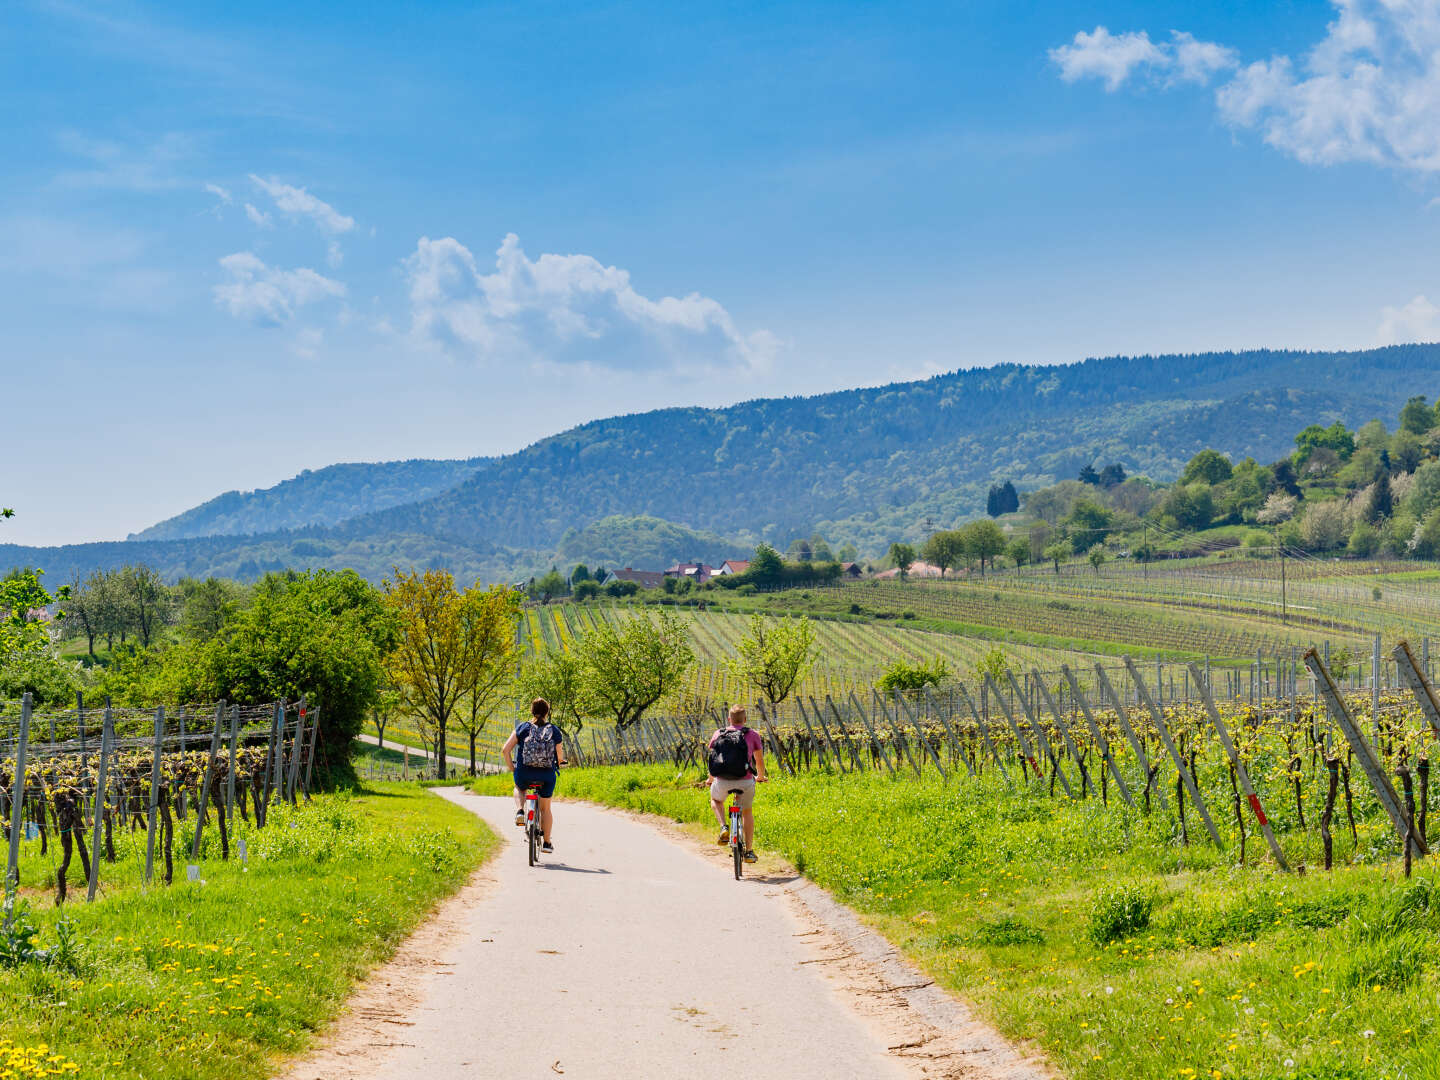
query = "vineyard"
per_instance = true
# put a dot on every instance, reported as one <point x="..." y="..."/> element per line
<point x="1226" y="607"/>
<point x="1265" y="761"/>
<point x="74" y="775"/>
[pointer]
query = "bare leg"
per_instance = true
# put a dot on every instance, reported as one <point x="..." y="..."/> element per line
<point x="519" y="800"/>
<point x="546" y="819"/>
<point x="718" y="805"/>
<point x="748" y="817"/>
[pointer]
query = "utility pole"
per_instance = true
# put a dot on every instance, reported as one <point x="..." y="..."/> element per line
<point x="1145" y="550"/>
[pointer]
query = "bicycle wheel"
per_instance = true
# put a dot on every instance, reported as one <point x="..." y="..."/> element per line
<point x="530" y="835"/>
<point x="738" y="850"/>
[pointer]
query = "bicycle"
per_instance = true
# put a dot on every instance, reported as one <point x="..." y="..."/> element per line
<point x="532" y="821"/>
<point x="737" y="833"/>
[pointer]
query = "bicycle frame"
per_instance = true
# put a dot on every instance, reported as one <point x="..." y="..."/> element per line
<point x="737" y="835"/>
<point x="532" y="822"/>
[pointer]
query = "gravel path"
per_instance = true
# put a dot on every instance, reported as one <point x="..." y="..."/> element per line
<point x="631" y="952"/>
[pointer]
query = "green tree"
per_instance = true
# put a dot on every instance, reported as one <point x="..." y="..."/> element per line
<point x="1058" y="553"/>
<point x="323" y="634"/>
<point x="145" y="601"/>
<point x="490" y="619"/>
<point x="1207" y="467"/>
<point x="1416" y="416"/>
<point x="765" y="565"/>
<point x="559" y="678"/>
<point x="944" y="549"/>
<point x="627" y="669"/>
<point x="1097" y="558"/>
<point x="984" y="540"/>
<point x="586" y="590"/>
<point x="1018" y="552"/>
<point x="579" y="574"/>
<point x="903" y="556"/>
<point x="1190" y="506"/>
<point x="774" y="655"/>
<point x="206" y="606"/>
<point x="1087" y="524"/>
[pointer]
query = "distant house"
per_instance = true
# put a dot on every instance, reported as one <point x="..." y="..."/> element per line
<point x="851" y="570"/>
<point x="646" y="579"/>
<point x="698" y="572"/>
<point x="732" y="566"/>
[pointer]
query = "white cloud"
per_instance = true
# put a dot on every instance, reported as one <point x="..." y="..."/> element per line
<point x="333" y="255"/>
<point x="269" y="295"/>
<point x="568" y="309"/>
<point x="1369" y="91"/>
<point x="257" y="217"/>
<point x="1107" y="56"/>
<point x="297" y="202"/>
<point x="1419" y="320"/>
<point x="223" y="194"/>
<point x="1197" y="61"/>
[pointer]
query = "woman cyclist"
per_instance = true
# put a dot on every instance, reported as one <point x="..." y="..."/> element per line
<point x="541" y="754"/>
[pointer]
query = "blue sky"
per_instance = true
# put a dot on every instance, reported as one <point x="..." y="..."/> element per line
<point x="237" y="241"/>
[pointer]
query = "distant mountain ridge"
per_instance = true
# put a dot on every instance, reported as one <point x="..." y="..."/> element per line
<point x="866" y="466"/>
<point x="325" y="496"/>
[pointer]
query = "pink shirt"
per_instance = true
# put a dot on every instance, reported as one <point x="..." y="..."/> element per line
<point x="753" y="743"/>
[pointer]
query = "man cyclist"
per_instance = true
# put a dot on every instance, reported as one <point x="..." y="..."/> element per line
<point x="542" y="753"/>
<point x="737" y="761"/>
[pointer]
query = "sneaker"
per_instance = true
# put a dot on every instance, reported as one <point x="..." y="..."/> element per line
<point x="519" y="817"/>
<point x="547" y="847"/>
<point x="751" y="857"/>
<point x="724" y="836"/>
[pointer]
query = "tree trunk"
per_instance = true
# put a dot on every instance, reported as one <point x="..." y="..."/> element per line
<point x="440" y="748"/>
<point x="472" y="752"/>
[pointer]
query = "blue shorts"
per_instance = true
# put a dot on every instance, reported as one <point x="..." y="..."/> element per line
<point x="525" y="776"/>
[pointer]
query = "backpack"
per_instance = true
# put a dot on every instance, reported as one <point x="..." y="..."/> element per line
<point x="730" y="754"/>
<point x="537" y="751"/>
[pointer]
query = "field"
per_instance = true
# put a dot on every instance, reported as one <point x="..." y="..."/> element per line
<point x="218" y="977"/>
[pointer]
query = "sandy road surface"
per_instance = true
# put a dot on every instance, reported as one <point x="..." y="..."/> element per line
<point x="629" y="954"/>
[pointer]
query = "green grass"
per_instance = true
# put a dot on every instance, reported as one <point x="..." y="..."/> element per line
<point x="225" y="977"/>
<point x="1092" y="931"/>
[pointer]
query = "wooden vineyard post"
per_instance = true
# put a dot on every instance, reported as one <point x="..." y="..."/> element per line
<point x="17" y="802"/>
<point x="857" y="760"/>
<point x="1101" y="743"/>
<point x="785" y="765"/>
<point x="1420" y="688"/>
<point x="1163" y="729"/>
<point x="314" y="745"/>
<point x="296" y="749"/>
<point x="824" y="727"/>
<point x="1064" y="730"/>
<point x="1135" y="744"/>
<point x="1021" y="743"/>
<point x="874" y="740"/>
<point x="984" y="733"/>
<point x="875" y="696"/>
<point x="914" y="718"/>
<point x="1240" y="771"/>
<point x="230" y="779"/>
<point x="277" y="788"/>
<point x="270" y="750"/>
<point x="204" y="807"/>
<point x="107" y="746"/>
<point x="155" y="756"/>
<point x="1364" y="753"/>
<point x="814" y="738"/>
<point x="1039" y="729"/>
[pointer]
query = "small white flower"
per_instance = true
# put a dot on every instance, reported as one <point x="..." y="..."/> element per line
<point x="1369" y="1033"/>
<point x="1289" y="1063"/>
<point x="1250" y="1011"/>
<point x="1109" y="989"/>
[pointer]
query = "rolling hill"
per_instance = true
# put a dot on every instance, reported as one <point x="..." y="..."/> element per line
<point x="865" y="466"/>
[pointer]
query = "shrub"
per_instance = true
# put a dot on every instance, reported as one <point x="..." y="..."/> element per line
<point x="1119" y="911"/>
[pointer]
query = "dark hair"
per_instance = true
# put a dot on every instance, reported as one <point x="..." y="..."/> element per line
<point x="540" y="709"/>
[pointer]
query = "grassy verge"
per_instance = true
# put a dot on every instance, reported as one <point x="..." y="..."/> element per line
<point x="1093" y="932"/>
<point x="221" y="977"/>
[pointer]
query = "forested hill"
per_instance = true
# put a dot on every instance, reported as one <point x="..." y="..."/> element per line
<point x="866" y="466"/>
<point x="870" y="464"/>
<point x="325" y="496"/>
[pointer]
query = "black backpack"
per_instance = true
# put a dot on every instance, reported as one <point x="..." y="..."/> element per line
<point x="730" y="754"/>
